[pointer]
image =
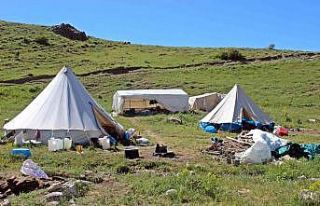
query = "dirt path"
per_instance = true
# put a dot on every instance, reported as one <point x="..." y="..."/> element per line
<point x="124" y="70"/>
<point x="146" y="132"/>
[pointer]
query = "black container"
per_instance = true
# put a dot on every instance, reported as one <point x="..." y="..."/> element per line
<point x="131" y="153"/>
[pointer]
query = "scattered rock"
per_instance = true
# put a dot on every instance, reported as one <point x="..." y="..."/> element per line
<point x="171" y="192"/>
<point x="243" y="191"/>
<point x="72" y="203"/>
<point x="54" y="196"/>
<point x="302" y="177"/>
<point x="91" y="177"/>
<point x="175" y="120"/>
<point x="286" y="158"/>
<point x="75" y="188"/>
<point x="55" y="187"/>
<point x="314" y="179"/>
<point x="310" y="197"/>
<point x="312" y="120"/>
<point x="69" y="32"/>
<point x="5" y="202"/>
<point x="53" y="203"/>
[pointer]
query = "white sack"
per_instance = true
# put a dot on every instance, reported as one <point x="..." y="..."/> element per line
<point x="272" y="140"/>
<point x="259" y="152"/>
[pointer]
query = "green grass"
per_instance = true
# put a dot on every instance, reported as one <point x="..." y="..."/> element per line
<point x="288" y="90"/>
<point x="19" y="53"/>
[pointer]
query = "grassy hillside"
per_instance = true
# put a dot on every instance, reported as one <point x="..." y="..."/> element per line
<point x="287" y="89"/>
<point x="19" y="53"/>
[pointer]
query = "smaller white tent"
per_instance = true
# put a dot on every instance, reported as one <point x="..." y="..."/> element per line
<point x="205" y="102"/>
<point x="234" y="107"/>
<point x="173" y="100"/>
<point x="65" y="108"/>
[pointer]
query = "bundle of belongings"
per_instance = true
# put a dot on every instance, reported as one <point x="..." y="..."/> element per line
<point x="294" y="150"/>
<point x="236" y="112"/>
<point x="259" y="146"/>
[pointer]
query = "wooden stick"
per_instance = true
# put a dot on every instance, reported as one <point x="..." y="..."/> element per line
<point x="241" y="142"/>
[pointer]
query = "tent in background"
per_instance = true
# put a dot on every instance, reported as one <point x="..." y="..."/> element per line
<point x="205" y="102"/>
<point x="235" y="107"/>
<point x="65" y="109"/>
<point x="173" y="100"/>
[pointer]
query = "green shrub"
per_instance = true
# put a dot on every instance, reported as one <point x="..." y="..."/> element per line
<point x="315" y="186"/>
<point x="271" y="46"/>
<point x="122" y="169"/>
<point x="233" y="55"/>
<point x="42" y="40"/>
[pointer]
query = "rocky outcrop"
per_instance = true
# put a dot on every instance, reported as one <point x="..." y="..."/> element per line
<point x="69" y="32"/>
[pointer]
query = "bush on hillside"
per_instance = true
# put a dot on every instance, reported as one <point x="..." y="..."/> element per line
<point x="271" y="46"/>
<point x="42" y="40"/>
<point x="233" y="55"/>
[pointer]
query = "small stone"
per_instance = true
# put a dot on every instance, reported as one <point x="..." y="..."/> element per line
<point x="171" y="192"/>
<point x="310" y="197"/>
<point x="75" y="188"/>
<point x="243" y="191"/>
<point x="5" y="202"/>
<point x="302" y="177"/>
<point x="88" y="172"/>
<point x="72" y="202"/>
<point x="55" y="187"/>
<point x="53" y="203"/>
<point x="54" y="196"/>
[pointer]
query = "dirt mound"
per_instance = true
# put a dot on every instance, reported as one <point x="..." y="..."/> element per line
<point x="69" y="32"/>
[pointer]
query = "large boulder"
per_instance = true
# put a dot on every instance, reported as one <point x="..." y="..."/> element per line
<point x="69" y="32"/>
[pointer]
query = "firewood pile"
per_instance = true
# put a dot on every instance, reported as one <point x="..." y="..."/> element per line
<point x="16" y="185"/>
<point x="226" y="148"/>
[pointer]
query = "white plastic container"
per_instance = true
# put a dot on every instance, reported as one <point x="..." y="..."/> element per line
<point x="104" y="142"/>
<point x="55" y="144"/>
<point x="67" y="143"/>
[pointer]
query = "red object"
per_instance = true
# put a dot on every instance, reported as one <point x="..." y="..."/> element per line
<point x="281" y="131"/>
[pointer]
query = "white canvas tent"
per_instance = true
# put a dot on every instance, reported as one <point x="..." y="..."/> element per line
<point x="234" y="106"/>
<point x="205" y="102"/>
<point x="173" y="100"/>
<point x="65" y="108"/>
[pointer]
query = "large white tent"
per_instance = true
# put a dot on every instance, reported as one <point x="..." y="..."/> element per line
<point x="173" y="100"/>
<point x="205" y="102"/>
<point x="65" y="108"/>
<point x="234" y="107"/>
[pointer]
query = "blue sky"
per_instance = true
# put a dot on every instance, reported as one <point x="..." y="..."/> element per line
<point x="289" y="24"/>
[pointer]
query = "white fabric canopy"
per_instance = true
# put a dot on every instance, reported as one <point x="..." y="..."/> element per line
<point x="64" y="105"/>
<point x="232" y="108"/>
<point x="174" y="100"/>
<point x="205" y="102"/>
